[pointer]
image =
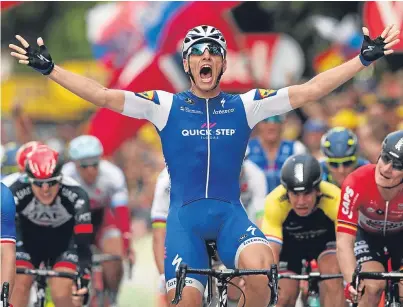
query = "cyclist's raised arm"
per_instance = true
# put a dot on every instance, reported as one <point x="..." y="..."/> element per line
<point x="262" y="103"/>
<point x="325" y="82"/>
<point x="128" y="103"/>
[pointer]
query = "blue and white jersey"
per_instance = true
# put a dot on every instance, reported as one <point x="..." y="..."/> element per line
<point x="7" y="227"/>
<point x="272" y="168"/>
<point x="204" y="140"/>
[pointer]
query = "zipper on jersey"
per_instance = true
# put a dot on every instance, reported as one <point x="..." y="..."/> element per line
<point x="386" y="218"/>
<point x="208" y="149"/>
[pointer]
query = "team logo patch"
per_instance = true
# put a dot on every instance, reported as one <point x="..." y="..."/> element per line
<point x="264" y="93"/>
<point x="149" y="95"/>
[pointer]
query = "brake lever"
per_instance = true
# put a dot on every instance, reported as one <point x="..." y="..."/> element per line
<point x="273" y="285"/>
<point x="180" y="283"/>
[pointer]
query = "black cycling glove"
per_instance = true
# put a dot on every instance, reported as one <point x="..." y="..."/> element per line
<point x="40" y="59"/>
<point x="371" y="50"/>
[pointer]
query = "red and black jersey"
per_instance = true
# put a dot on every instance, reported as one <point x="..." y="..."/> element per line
<point x="54" y="225"/>
<point x="362" y="205"/>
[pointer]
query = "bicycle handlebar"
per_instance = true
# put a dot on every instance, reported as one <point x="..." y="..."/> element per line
<point x="47" y="273"/>
<point x="226" y="274"/>
<point x="358" y="276"/>
<point x="312" y="275"/>
<point x="100" y="258"/>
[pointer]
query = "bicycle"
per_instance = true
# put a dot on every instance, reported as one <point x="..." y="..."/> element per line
<point x="313" y="279"/>
<point x="98" y="297"/>
<point x="392" y="298"/>
<point x="5" y="290"/>
<point x="223" y="279"/>
<point x="41" y="276"/>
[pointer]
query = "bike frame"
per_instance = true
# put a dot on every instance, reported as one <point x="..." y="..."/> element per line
<point x="97" y="277"/>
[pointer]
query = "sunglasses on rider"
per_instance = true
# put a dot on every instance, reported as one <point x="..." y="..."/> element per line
<point x="50" y="181"/>
<point x="345" y="162"/>
<point x="87" y="165"/>
<point x="396" y="164"/>
<point x="214" y="49"/>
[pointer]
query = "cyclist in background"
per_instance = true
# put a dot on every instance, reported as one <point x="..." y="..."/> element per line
<point x="9" y="163"/>
<point x="340" y="147"/>
<point x="7" y="238"/>
<point x="204" y="134"/>
<point x="53" y="226"/>
<point x="253" y="191"/>
<point x="269" y="151"/>
<point x="20" y="158"/>
<point x="300" y="221"/>
<point x="105" y="184"/>
<point x="370" y="219"/>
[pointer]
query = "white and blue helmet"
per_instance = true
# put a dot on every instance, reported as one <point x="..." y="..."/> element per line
<point x="203" y="33"/>
<point x="84" y="147"/>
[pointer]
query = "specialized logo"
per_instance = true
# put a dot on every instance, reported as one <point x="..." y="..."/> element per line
<point x="252" y="230"/>
<point x="399" y="144"/>
<point x="177" y="261"/>
<point x="222" y="103"/>
<point x="264" y="93"/>
<point x="346" y="210"/>
<point x="370" y="48"/>
<point x="149" y="95"/>
<point x="299" y="172"/>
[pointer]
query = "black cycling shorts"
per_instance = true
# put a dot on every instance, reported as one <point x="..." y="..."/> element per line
<point x="375" y="247"/>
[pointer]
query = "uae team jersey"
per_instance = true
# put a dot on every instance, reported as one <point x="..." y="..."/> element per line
<point x="204" y="140"/>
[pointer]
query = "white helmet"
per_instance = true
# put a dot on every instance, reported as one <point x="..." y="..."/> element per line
<point x="85" y="146"/>
<point x="203" y="33"/>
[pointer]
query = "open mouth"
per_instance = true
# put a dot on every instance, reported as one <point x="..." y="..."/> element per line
<point x="206" y="73"/>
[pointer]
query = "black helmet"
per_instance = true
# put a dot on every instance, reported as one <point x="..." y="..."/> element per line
<point x="393" y="145"/>
<point x="301" y="173"/>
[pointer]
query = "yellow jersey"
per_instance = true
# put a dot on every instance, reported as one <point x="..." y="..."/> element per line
<point x="280" y="220"/>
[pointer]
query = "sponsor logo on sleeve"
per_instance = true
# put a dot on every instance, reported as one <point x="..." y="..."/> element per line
<point x="149" y="95"/>
<point x="346" y="202"/>
<point x="264" y="93"/>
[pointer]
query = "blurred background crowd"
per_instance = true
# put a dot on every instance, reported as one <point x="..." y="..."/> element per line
<point x="135" y="46"/>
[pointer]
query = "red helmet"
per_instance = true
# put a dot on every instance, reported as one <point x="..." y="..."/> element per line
<point x="43" y="163"/>
<point x="23" y="151"/>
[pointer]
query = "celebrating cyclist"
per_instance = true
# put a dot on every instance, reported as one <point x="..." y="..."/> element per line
<point x="370" y="219"/>
<point x="7" y="238"/>
<point x="269" y="151"/>
<point x="340" y="147"/>
<point x="299" y="222"/>
<point x="53" y="226"/>
<point x="106" y="187"/>
<point x="253" y="191"/>
<point x="204" y="133"/>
